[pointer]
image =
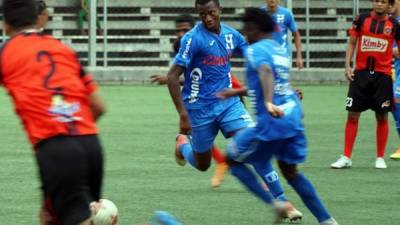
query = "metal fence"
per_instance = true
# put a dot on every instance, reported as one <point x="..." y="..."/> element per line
<point x="140" y="33"/>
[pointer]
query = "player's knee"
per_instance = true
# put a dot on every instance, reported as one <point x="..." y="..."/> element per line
<point x="381" y="117"/>
<point x="203" y="160"/>
<point x="203" y="167"/>
<point x="289" y="171"/>
<point x="353" y="116"/>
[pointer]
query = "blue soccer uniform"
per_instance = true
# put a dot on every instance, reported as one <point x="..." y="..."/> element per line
<point x="285" y="21"/>
<point x="281" y="137"/>
<point x="396" y="93"/>
<point x="205" y="57"/>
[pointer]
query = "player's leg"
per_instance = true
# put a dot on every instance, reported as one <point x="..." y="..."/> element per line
<point x="271" y="179"/>
<point x="356" y="102"/>
<point x="294" y="151"/>
<point x="245" y="150"/>
<point x="396" y="112"/>
<point x="196" y="148"/>
<point x="221" y="167"/>
<point x="382" y="133"/>
<point x="92" y="145"/>
<point x="63" y="171"/>
<point x="383" y="100"/>
<point x="396" y="116"/>
<point x="236" y="118"/>
<point x="243" y="145"/>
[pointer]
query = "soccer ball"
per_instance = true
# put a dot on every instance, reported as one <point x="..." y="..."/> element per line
<point x="104" y="212"/>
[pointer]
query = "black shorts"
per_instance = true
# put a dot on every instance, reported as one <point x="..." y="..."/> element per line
<point x="71" y="171"/>
<point x="370" y="91"/>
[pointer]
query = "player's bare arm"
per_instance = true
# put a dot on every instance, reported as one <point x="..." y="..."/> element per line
<point x="297" y="43"/>
<point x="175" y="92"/>
<point x="267" y="83"/>
<point x="351" y="45"/>
<point x="162" y="79"/>
<point x="227" y="93"/>
<point x="97" y="105"/>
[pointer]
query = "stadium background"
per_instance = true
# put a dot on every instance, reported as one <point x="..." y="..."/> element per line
<point x="138" y="34"/>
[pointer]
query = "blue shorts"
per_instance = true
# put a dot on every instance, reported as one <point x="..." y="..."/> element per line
<point x="227" y="115"/>
<point x="396" y="87"/>
<point x="247" y="148"/>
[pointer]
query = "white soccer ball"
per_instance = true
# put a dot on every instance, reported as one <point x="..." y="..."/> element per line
<point x="104" y="212"/>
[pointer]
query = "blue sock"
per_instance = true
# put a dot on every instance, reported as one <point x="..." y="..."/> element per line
<point x="249" y="180"/>
<point x="187" y="152"/>
<point x="308" y="194"/>
<point x="271" y="178"/>
<point x="396" y="116"/>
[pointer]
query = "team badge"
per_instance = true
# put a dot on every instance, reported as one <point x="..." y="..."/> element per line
<point x="388" y="30"/>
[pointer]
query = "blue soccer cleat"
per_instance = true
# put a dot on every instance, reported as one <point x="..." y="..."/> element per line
<point x="164" y="218"/>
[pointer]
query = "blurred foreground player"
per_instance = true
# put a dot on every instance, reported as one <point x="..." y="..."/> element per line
<point x="58" y="104"/>
<point x="279" y="130"/>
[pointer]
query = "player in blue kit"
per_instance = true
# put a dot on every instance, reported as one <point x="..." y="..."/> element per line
<point x="285" y="22"/>
<point x="203" y="58"/>
<point x="396" y="82"/>
<point x="279" y="129"/>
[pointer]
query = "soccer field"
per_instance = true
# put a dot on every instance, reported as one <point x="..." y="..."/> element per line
<point x="141" y="175"/>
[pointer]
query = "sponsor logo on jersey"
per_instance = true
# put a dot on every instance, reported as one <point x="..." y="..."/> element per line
<point x="196" y="75"/>
<point x="388" y="30"/>
<point x="212" y="60"/>
<point x="372" y="44"/>
<point x="64" y="111"/>
<point x="187" y="49"/>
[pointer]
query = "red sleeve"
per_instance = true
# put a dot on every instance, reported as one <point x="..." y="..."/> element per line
<point x="235" y="82"/>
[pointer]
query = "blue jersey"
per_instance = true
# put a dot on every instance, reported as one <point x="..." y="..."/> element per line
<point x="205" y="56"/>
<point x="397" y="60"/>
<point x="270" y="53"/>
<point x="285" y="21"/>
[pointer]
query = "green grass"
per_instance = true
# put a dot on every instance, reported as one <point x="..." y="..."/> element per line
<point x="141" y="175"/>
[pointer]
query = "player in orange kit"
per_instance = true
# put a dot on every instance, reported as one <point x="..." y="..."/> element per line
<point x="58" y="104"/>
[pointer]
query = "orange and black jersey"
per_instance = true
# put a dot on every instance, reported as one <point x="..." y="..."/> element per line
<point x="375" y="39"/>
<point x="48" y="86"/>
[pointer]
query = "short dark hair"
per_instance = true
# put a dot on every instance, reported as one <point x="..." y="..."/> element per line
<point x="41" y="4"/>
<point x="20" y="13"/>
<point x="203" y="2"/>
<point x="391" y="2"/>
<point x="185" y="18"/>
<point x="259" y="17"/>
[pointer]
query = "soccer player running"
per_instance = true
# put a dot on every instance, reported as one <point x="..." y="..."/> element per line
<point x="371" y="81"/>
<point x="204" y="59"/>
<point x="285" y="22"/>
<point x="279" y="129"/>
<point x="396" y="84"/>
<point x="183" y="24"/>
<point x="58" y="104"/>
